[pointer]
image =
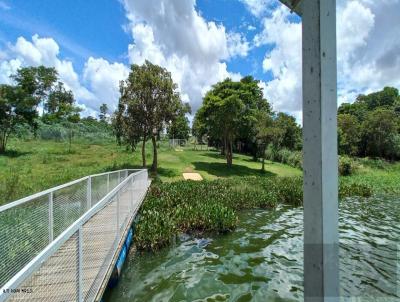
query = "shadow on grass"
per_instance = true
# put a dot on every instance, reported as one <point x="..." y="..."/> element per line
<point x="222" y="170"/>
<point x="217" y="155"/>
<point x="167" y="172"/>
<point x="115" y="167"/>
<point x="251" y="160"/>
<point x="160" y="171"/>
<point x="15" y="153"/>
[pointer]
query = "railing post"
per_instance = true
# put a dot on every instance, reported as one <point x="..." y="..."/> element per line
<point x="126" y="173"/>
<point x="118" y="226"/>
<point x="108" y="182"/>
<point x="89" y="192"/>
<point x="79" y="284"/>
<point x="119" y="177"/>
<point x="132" y="193"/>
<point x="51" y="219"/>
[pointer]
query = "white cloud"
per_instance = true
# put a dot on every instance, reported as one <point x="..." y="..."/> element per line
<point x="237" y="45"/>
<point x="174" y="35"/>
<point x="103" y="80"/>
<point x="257" y="7"/>
<point x="368" y="46"/>
<point x="368" y="51"/>
<point x="283" y="62"/>
<point x="168" y="33"/>
<point x="101" y="77"/>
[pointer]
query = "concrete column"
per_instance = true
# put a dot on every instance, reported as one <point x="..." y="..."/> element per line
<point x="321" y="265"/>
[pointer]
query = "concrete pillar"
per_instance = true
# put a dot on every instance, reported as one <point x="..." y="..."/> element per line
<point x="321" y="265"/>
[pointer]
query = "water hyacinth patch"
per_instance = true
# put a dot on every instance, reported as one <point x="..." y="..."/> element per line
<point x="212" y="206"/>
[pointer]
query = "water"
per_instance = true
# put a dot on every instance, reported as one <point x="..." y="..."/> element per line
<point x="262" y="260"/>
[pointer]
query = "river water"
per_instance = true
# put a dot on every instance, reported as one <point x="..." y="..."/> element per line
<point x="262" y="260"/>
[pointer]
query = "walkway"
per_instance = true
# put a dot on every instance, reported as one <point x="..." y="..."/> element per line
<point x="76" y="266"/>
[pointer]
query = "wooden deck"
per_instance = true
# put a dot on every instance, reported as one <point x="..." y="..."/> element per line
<point x="103" y="236"/>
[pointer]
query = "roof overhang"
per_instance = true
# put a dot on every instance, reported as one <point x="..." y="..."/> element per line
<point x="294" y="5"/>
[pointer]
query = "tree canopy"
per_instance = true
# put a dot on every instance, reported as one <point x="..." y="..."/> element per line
<point x="60" y="105"/>
<point x="179" y="128"/>
<point x="371" y="125"/>
<point x="229" y="114"/>
<point x="19" y="102"/>
<point x="149" y="101"/>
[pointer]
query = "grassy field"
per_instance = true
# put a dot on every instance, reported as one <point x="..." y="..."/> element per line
<point x="33" y="166"/>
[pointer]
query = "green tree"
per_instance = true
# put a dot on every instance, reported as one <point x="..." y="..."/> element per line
<point x="36" y="81"/>
<point x="254" y="102"/>
<point x="149" y="101"/>
<point x="349" y="134"/>
<point x="289" y="130"/>
<point x="380" y="132"/>
<point x="265" y="133"/>
<point x="60" y="105"/>
<point x="384" y="98"/>
<point x="179" y="128"/>
<point x="221" y="113"/>
<point x="199" y="128"/>
<point x="103" y="113"/>
<point x="16" y="107"/>
<point x="357" y="109"/>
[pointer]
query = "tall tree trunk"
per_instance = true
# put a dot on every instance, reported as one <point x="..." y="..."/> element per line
<point x="144" y="152"/>
<point x="228" y="152"/>
<point x="263" y="159"/>
<point x="3" y="142"/>
<point x="254" y="149"/>
<point x="154" y="165"/>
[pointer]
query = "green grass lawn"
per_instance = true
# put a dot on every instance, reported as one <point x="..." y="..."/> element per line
<point x="33" y="166"/>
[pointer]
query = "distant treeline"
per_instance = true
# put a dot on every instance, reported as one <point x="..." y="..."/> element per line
<point x="371" y="125"/>
<point x="235" y="117"/>
<point x="37" y="89"/>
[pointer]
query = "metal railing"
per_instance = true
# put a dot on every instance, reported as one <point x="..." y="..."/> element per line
<point x="58" y="244"/>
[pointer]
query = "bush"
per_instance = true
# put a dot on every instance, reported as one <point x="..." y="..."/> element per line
<point x="349" y="189"/>
<point x="346" y="166"/>
<point x="89" y="131"/>
<point x="285" y="156"/>
<point x="296" y="159"/>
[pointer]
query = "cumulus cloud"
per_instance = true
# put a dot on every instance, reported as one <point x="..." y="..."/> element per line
<point x="237" y="45"/>
<point x="283" y="61"/>
<point x="257" y="7"/>
<point x="100" y="78"/>
<point x="174" y="35"/>
<point x="368" y="46"/>
<point x="368" y="51"/>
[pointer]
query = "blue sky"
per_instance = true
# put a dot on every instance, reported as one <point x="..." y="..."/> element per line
<point x="92" y="44"/>
<point x="82" y="32"/>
